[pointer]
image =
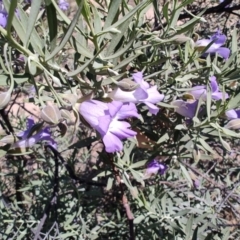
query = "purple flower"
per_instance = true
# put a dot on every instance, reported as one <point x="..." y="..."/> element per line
<point x="196" y="183"/>
<point x="143" y="94"/>
<point x="63" y="5"/>
<point x="186" y="109"/>
<point x="232" y="114"/>
<point x="234" y="117"/>
<point x="106" y="119"/>
<point x="216" y="41"/>
<point x="155" y="167"/>
<point x="3" y="15"/>
<point x="201" y="91"/>
<point x="28" y="141"/>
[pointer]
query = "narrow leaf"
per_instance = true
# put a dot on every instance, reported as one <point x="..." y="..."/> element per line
<point x="68" y="33"/>
<point x="52" y="23"/>
<point x="35" y="7"/>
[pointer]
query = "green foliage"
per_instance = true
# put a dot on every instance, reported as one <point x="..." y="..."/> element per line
<point x="79" y="191"/>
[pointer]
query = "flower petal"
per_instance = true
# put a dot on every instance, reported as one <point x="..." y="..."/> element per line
<point x="199" y="91"/>
<point x="29" y="124"/>
<point x="162" y="168"/>
<point x="152" y="108"/>
<point x="202" y="43"/>
<point x="127" y="110"/>
<point x="63" y="5"/>
<point x="223" y="52"/>
<point x="219" y="95"/>
<point x="153" y="95"/>
<point x="114" y="107"/>
<point x="121" y="129"/>
<point x="112" y="143"/>
<point x="140" y="94"/>
<point x="152" y="167"/>
<point x="3" y="20"/>
<point x="231" y="114"/>
<point x="104" y="122"/>
<point x="24" y="143"/>
<point x="152" y="170"/>
<point x="238" y="113"/>
<point x="214" y="84"/>
<point x="218" y="38"/>
<point x="185" y="109"/>
<point x="91" y="110"/>
<point x="122" y="96"/>
<point x="138" y="78"/>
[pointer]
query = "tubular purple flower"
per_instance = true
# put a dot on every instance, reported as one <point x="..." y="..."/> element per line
<point x="201" y="91"/>
<point x="63" y="5"/>
<point x="234" y="117"/>
<point x="186" y="109"/>
<point x="104" y="118"/>
<point x="143" y="94"/>
<point x="3" y="19"/>
<point x="155" y="167"/>
<point x="4" y="15"/>
<point x="232" y="114"/>
<point x="216" y="40"/>
<point x="27" y="142"/>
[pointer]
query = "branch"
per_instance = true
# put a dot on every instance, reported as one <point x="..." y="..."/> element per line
<point x="7" y="122"/>
<point x="53" y="200"/>
<point x="71" y="172"/>
<point x="125" y="203"/>
<point x="222" y="7"/>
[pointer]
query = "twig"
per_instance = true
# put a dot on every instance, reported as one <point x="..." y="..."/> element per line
<point x="40" y="225"/>
<point x="229" y="194"/>
<point x="71" y="172"/>
<point x="222" y="7"/>
<point x="234" y="210"/>
<point x="125" y="203"/>
<point x="9" y="109"/>
<point x="7" y="122"/>
<point x="202" y="175"/>
<point x="22" y="106"/>
<point x="53" y="201"/>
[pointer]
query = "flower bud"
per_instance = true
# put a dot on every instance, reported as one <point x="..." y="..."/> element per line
<point x="56" y="81"/>
<point x="9" y="139"/>
<point x="179" y="39"/>
<point x="51" y="114"/>
<point x="5" y="98"/>
<point x="233" y="124"/>
<point x="67" y="116"/>
<point x="127" y="85"/>
<point x="33" y="68"/>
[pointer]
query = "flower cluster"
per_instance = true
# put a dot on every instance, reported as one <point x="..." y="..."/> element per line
<point x="107" y="118"/>
<point x="188" y="108"/>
